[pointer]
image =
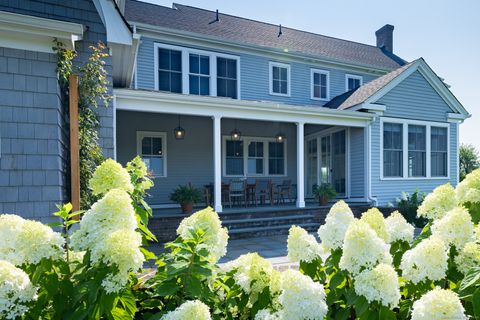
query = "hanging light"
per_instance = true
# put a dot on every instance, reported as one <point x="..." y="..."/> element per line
<point x="280" y="137"/>
<point x="235" y="135"/>
<point x="179" y="132"/>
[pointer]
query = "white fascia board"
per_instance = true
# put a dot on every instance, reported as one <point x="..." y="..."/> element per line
<point x="26" y="32"/>
<point x="183" y="38"/>
<point x="421" y="66"/>
<point x="159" y="102"/>
<point x="117" y="31"/>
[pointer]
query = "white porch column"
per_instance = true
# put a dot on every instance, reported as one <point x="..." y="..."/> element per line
<point x="300" y="166"/>
<point x="217" y="162"/>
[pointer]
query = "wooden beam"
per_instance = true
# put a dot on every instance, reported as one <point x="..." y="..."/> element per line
<point x="74" y="143"/>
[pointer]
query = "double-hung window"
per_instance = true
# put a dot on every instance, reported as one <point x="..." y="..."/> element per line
<point x="227" y="78"/>
<point x="276" y="158"/>
<point x="352" y="81"/>
<point x="392" y="150"/>
<point x="199" y="77"/>
<point x="255" y="158"/>
<point x="320" y="84"/>
<point x="279" y="79"/>
<point x="439" y="151"/>
<point x="169" y="70"/>
<point x="417" y="151"/>
<point x="152" y="148"/>
<point x="234" y="158"/>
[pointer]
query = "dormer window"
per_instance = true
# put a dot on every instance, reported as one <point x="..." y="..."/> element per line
<point x="353" y="81"/>
<point x="279" y="79"/>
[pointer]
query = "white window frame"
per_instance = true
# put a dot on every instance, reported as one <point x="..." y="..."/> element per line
<point x="428" y="125"/>
<point x="352" y="76"/>
<point x="448" y="145"/>
<point x="246" y="140"/>
<point x="312" y="85"/>
<point x="200" y="75"/>
<point x="154" y="134"/>
<point x="272" y="64"/>
<point x="186" y="66"/>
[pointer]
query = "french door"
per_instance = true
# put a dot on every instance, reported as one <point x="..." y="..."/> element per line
<point x="326" y="162"/>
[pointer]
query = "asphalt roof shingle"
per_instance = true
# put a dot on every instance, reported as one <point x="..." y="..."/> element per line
<point x="243" y="30"/>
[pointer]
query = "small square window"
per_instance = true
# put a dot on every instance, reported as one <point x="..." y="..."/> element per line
<point x="151" y="148"/>
<point x="320" y="84"/>
<point x="353" y="81"/>
<point x="279" y="79"/>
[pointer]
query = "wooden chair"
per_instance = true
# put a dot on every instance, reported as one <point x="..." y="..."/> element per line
<point x="238" y="191"/>
<point x="263" y="191"/>
<point x="226" y="194"/>
<point x="284" y="191"/>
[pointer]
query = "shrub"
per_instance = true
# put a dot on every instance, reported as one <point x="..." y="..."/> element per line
<point x="408" y="205"/>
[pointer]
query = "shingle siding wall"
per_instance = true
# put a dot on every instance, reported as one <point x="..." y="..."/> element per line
<point x="254" y="77"/>
<point x="33" y="124"/>
<point x="412" y="99"/>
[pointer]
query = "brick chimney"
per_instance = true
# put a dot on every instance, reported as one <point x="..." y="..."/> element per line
<point x="385" y="37"/>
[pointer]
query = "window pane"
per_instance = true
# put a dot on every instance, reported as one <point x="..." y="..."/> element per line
<point x="392" y="150"/>
<point x="439" y="164"/>
<point x="194" y="89"/>
<point x="316" y="79"/>
<point x="154" y="164"/>
<point x="275" y="72"/>
<point x="231" y="68"/>
<point x="204" y="86"/>
<point x="323" y="92"/>
<point x="323" y="78"/>
<point x="176" y="82"/>
<point x="204" y="65"/>
<point x="416" y="164"/>
<point x="439" y="139"/>
<point x="147" y="145"/>
<point x="221" y="87"/>
<point x="221" y="67"/>
<point x="283" y="87"/>
<point x="232" y="89"/>
<point x="283" y="74"/>
<point x="194" y="63"/>
<point x="164" y="80"/>
<point x="176" y="60"/>
<point x="276" y="86"/>
<point x="234" y="166"/>
<point x="234" y="148"/>
<point x="164" y="59"/>
<point x="156" y="146"/>
<point x="276" y="166"/>
<point x="316" y="91"/>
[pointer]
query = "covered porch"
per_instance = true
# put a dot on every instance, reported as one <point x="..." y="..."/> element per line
<point x="242" y="155"/>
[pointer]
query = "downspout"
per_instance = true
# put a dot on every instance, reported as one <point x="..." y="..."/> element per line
<point x="136" y="44"/>
<point x="370" y="198"/>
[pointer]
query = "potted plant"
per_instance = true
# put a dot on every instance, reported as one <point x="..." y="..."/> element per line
<point x="186" y="196"/>
<point x="323" y="193"/>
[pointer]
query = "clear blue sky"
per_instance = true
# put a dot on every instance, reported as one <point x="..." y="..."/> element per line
<point x="445" y="33"/>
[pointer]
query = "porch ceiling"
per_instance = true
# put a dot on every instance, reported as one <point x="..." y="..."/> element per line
<point x="154" y="101"/>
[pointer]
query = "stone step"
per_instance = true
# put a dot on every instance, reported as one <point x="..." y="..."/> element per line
<point x="268" y="221"/>
<point x="251" y="232"/>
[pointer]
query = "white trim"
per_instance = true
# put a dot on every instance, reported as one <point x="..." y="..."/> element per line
<point x="185" y="52"/>
<point x="217" y="163"/>
<point x="319" y="71"/>
<point x="352" y="76"/>
<point x="246" y="140"/>
<point x="155" y="134"/>
<point x="161" y="102"/>
<point x="272" y="64"/>
<point x="187" y="37"/>
<point x="458" y="153"/>
<point x="114" y="106"/>
<point x="27" y="32"/>
<point x="300" y="165"/>
<point x="427" y="125"/>
<point x="348" y="174"/>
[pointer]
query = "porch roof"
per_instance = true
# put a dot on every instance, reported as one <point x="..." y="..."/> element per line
<point x="162" y="102"/>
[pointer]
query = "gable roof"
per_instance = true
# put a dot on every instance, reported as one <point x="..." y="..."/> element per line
<point x="251" y="32"/>
<point x="372" y="91"/>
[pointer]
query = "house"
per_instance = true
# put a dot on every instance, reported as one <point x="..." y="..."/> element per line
<point x="207" y="98"/>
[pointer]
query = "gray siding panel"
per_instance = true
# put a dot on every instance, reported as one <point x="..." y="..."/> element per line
<point x="357" y="163"/>
<point x="254" y="77"/>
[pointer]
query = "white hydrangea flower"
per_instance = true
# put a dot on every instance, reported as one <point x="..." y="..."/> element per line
<point x="379" y="284"/>
<point x="437" y="203"/>
<point x="302" y="246"/>
<point x="477" y="232"/>
<point x="208" y="221"/>
<point x="301" y="297"/>
<point x="404" y="196"/>
<point x="438" y="304"/>
<point x="428" y="260"/>
<point x="27" y="241"/>
<point x="189" y="310"/>
<point x="469" y="189"/>
<point x="16" y="291"/>
<point x="110" y="175"/>
<point x="265" y="314"/>
<point x="376" y="221"/>
<point x="468" y="257"/>
<point x="362" y="248"/>
<point x="455" y="228"/>
<point x="253" y="273"/>
<point x="122" y="250"/>
<point x="113" y="212"/>
<point x="398" y="228"/>
<point x="336" y="224"/>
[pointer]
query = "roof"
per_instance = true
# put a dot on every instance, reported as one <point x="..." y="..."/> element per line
<point x="362" y="93"/>
<point x="251" y="32"/>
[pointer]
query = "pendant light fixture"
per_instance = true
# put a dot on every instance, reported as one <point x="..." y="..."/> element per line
<point x="235" y="135"/>
<point x="179" y="132"/>
<point x="280" y="137"/>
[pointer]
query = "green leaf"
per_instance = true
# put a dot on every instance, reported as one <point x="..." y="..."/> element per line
<point x="337" y="279"/>
<point x="472" y="279"/>
<point x="167" y="288"/>
<point x="55" y="224"/>
<point x="387" y="314"/>
<point x="361" y="305"/>
<point x="193" y="286"/>
<point x="476" y="303"/>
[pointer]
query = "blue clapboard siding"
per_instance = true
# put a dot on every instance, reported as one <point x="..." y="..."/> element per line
<point x="254" y="77"/>
<point x="414" y="98"/>
<point x="191" y="160"/>
<point x="357" y="163"/>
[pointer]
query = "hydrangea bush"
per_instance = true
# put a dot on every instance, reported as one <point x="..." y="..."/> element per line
<point x="367" y="268"/>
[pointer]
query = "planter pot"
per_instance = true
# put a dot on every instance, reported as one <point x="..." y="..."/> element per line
<point x="187" y="207"/>
<point x="323" y="200"/>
